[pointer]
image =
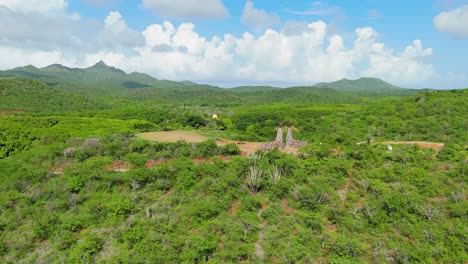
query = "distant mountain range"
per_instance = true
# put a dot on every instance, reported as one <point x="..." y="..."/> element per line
<point x="100" y="77"/>
<point x="104" y="80"/>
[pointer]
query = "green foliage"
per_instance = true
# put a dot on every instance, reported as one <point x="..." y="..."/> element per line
<point x="86" y="250"/>
<point x="205" y="149"/>
<point x="27" y="95"/>
<point x="119" y="208"/>
<point x="80" y="188"/>
<point x="230" y="149"/>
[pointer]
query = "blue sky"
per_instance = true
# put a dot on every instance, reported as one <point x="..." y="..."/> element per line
<point x="420" y="43"/>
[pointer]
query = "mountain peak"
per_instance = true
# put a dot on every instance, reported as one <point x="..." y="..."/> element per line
<point x="27" y="67"/>
<point x="364" y="84"/>
<point x="101" y="66"/>
<point x="56" y="67"/>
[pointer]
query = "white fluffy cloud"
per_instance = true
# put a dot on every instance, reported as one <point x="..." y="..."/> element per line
<point x="34" y="5"/>
<point x="116" y="33"/>
<point x="454" y="22"/>
<point x="187" y="8"/>
<point x="299" y="53"/>
<point x="66" y="33"/>
<point x="308" y="56"/>
<point x="258" y="18"/>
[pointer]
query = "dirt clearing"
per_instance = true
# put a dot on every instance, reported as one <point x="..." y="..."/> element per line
<point x="247" y="148"/>
<point x="421" y="144"/>
<point x="173" y="136"/>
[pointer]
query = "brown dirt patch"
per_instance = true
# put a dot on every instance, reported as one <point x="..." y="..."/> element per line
<point x="118" y="165"/>
<point x="360" y="202"/>
<point x="59" y="169"/>
<point x="437" y="199"/>
<point x="165" y="195"/>
<point x="173" y="136"/>
<point x="444" y="167"/>
<point x="234" y="207"/>
<point x="150" y="164"/>
<point x="422" y="144"/>
<point x="276" y="259"/>
<point x="330" y="227"/>
<point x="286" y="208"/>
<point x="220" y="244"/>
<point x="200" y="160"/>
<point x="247" y="148"/>
<point x="225" y="158"/>
<point x="194" y="231"/>
<point x="336" y="151"/>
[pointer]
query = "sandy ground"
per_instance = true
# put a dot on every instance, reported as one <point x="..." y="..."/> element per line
<point x="173" y="136"/>
<point x="247" y="148"/>
<point x="421" y="144"/>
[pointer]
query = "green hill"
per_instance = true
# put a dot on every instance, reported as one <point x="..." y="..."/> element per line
<point x="350" y="91"/>
<point x="252" y="89"/>
<point x="101" y="79"/>
<point x="79" y="189"/>
<point x="104" y="80"/>
<point x="29" y="95"/>
<point x="367" y="86"/>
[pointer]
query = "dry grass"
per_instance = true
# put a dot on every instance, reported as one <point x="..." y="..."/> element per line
<point x="284" y="204"/>
<point x="421" y="144"/>
<point x="234" y="207"/>
<point x="173" y="136"/>
<point x="247" y="148"/>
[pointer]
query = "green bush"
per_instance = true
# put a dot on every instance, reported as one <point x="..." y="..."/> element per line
<point x="230" y="149"/>
<point x="136" y="159"/>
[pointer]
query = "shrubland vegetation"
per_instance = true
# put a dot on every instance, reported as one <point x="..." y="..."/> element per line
<point x="77" y="185"/>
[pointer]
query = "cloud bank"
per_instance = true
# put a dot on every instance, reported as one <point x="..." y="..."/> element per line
<point x="298" y="53"/>
<point x="454" y="22"/>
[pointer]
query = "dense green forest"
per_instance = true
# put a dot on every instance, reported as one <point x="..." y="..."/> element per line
<point x="79" y="187"/>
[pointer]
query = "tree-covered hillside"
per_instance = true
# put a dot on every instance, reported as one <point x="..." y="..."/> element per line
<point x="104" y="80"/>
<point x="28" y="95"/>
<point x="81" y="188"/>
<point x="372" y="86"/>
